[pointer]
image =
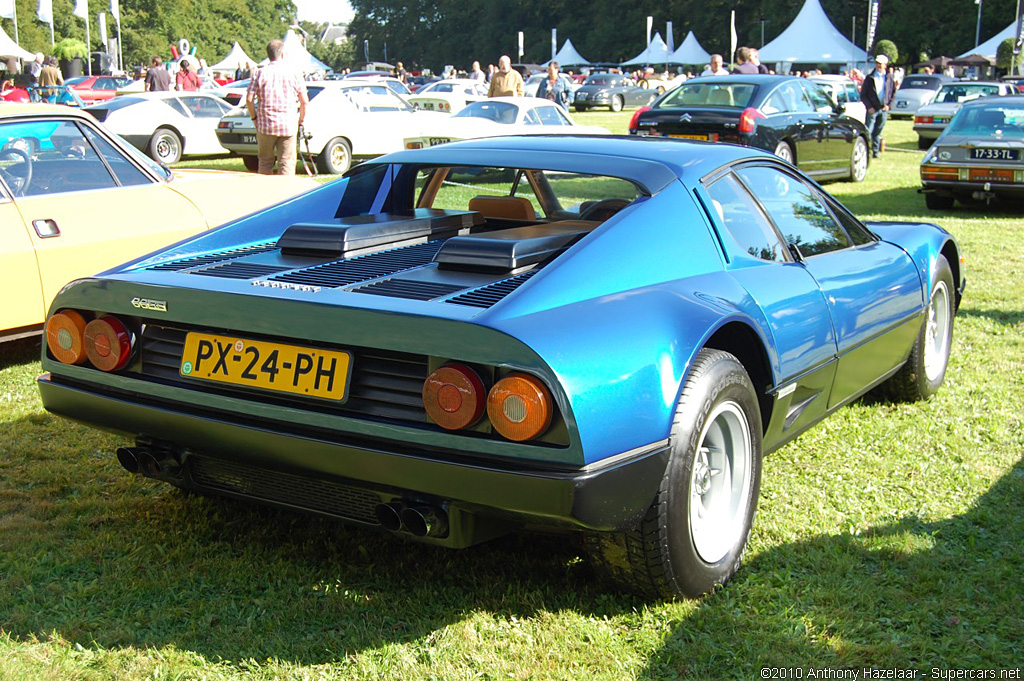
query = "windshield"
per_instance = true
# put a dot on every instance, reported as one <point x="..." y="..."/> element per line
<point x="961" y="92"/>
<point x="710" y="93"/>
<point x="499" y="112"/>
<point x="995" y="121"/>
<point x="600" y="80"/>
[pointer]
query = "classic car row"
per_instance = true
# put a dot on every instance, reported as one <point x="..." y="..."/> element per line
<point x="581" y="334"/>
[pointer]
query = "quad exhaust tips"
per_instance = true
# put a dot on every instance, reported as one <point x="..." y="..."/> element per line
<point x="418" y="519"/>
<point x="141" y="461"/>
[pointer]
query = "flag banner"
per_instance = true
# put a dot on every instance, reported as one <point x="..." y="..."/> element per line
<point x="102" y="17"/>
<point x="669" y="40"/>
<point x="45" y="12"/>
<point x="115" y="11"/>
<point x="81" y="9"/>
<point x="7" y="9"/>
<point x="733" y="39"/>
<point x="872" y="25"/>
<point x="1018" y="41"/>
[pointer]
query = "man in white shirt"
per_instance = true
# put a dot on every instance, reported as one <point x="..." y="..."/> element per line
<point x="715" y="68"/>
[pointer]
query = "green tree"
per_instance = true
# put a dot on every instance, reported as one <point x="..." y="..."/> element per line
<point x="888" y="48"/>
<point x="1004" y="54"/>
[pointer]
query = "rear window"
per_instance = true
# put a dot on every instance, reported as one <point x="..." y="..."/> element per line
<point x="920" y="83"/>
<point x="599" y="80"/>
<point x="999" y="122"/>
<point x="118" y="103"/>
<point x="499" y="112"/>
<point x="710" y="93"/>
<point x="959" y="92"/>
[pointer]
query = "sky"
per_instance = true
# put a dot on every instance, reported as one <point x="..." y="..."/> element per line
<point x="335" y="11"/>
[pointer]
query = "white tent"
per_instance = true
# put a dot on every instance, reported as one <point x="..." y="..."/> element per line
<point x="689" y="52"/>
<point x="9" y="48"/>
<point x="568" y="56"/>
<point x="296" y="54"/>
<point x="989" y="47"/>
<point x="812" y="39"/>
<point x="656" y="53"/>
<point x="235" y="57"/>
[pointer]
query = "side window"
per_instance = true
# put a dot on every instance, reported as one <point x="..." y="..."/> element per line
<point x="858" y="233"/>
<point x="203" y="107"/>
<point x="177" y="105"/>
<point x="126" y="172"/>
<point x="744" y="221"/>
<point x="819" y="100"/>
<point x="775" y="103"/>
<point x="795" y="209"/>
<point x="794" y="97"/>
<point x="62" y="159"/>
<point x="852" y="93"/>
<point x="532" y="118"/>
<point x="550" y="115"/>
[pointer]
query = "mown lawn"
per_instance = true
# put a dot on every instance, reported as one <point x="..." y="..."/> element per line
<point x="891" y="536"/>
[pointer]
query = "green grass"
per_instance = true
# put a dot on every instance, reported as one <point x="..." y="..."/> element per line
<point x="889" y="536"/>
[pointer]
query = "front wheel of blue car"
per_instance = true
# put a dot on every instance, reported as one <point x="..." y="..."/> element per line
<point x="693" y="535"/>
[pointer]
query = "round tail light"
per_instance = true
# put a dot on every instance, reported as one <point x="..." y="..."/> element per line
<point x="519" y="407"/>
<point x="65" y="337"/>
<point x="454" y="396"/>
<point x="108" y="343"/>
<point x="636" y="117"/>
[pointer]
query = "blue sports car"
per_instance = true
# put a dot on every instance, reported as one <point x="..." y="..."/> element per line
<point x="600" y="336"/>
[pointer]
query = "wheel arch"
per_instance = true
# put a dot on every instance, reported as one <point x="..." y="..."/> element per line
<point x="952" y="254"/>
<point x="744" y="343"/>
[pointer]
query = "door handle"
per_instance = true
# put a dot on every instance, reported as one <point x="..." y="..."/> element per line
<point x="46" y="228"/>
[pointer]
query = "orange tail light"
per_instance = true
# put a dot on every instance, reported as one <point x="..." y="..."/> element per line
<point x="519" y="407"/>
<point x="65" y="337"/>
<point x="108" y="343"/>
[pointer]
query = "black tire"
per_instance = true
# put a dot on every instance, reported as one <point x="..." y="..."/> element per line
<point x="579" y="109"/>
<point x="617" y="103"/>
<point x="251" y="163"/>
<point x="165" y="146"/>
<point x="924" y="143"/>
<point x="937" y="201"/>
<point x="859" y="160"/>
<point x="336" y="158"/>
<point x="785" y="152"/>
<point x="922" y="375"/>
<point x="682" y="548"/>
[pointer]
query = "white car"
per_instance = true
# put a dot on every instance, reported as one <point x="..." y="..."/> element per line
<point x="448" y="96"/>
<point x="844" y="91"/>
<point x="345" y="120"/>
<point x="505" y="116"/>
<point x="165" y="125"/>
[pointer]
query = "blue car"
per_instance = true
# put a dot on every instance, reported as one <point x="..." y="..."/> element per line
<point x="592" y="336"/>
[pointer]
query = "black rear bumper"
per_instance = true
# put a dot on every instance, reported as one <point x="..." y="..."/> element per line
<point x="602" y="497"/>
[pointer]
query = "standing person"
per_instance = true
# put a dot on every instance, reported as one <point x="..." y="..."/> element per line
<point x="506" y="81"/>
<point x="158" y="79"/>
<point x="50" y="75"/>
<point x="34" y="67"/>
<point x="477" y="73"/>
<point x="400" y="72"/>
<point x="877" y="93"/>
<point x="744" y="62"/>
<point x="186" y="79"/>
<point x="276" y="100"/>
<point x="553" y="88"/>
<point x="755" y="59"/>
<point x="715" y="68"/>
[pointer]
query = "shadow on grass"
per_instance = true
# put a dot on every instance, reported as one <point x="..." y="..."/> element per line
<point x="907" y="203"/>
<point x="912" y="594"/>
<point x="1005" y="317"/>
<point x="19" y="351"/>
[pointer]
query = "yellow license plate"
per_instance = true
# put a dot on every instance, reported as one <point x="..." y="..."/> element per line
<point x="690" y="137"/>
<point x="311" y="372"/>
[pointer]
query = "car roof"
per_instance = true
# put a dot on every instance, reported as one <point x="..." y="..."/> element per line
<point x="653" y="163"/>
<point x="1017" y="100"/>
<point x="17" y="109"/>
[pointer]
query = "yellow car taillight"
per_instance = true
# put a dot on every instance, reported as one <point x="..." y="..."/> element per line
<point x="65" y="337"/>
<point x="519" y="407"/>
<point x="454" y="396"/>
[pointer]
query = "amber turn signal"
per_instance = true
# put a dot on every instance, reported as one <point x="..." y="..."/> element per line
<point x="108" y="343"/>
<point x="65" y="335"/>
<point x="519" y="407"/>
<point x="453" y="396"/>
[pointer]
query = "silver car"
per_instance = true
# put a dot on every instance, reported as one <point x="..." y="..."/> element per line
<point x="932" y="119"/>
<point x="915" y="91"/>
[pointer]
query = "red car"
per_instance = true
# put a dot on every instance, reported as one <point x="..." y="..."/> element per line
<point x="97" y="88"/>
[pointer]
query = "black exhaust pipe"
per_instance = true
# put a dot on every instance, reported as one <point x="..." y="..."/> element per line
<point x="128" y="457"/>
<point x="141" y="461"/>
<point x="389" y="516"/>
<point x="425" y="521"/>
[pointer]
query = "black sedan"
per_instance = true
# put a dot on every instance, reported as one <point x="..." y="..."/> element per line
<point x="979" y="156"/>
<point x="789" y="116"/>
<point x="612" y="90"/>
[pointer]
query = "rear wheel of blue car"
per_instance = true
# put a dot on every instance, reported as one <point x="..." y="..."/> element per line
<point x="922" y="375"/>
<point x="693" y="535"/>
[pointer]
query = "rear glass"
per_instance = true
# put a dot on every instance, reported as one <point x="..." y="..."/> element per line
<point x="999" y="122"/>
<point x="600" y="80"/>
<point x="961" y="92"/>
<point x="710" y="93"/>
<point x="920" y="83"/>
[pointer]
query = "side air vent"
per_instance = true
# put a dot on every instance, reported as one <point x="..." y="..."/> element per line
<point x="363" y="268"/>
<point x="239" y="270"/>
<point x="487" y="296"/>
<point x="406" y="288"/>
<point x="211" y="258"/>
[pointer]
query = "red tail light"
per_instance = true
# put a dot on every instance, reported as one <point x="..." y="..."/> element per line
<point x="748" y="119"/>
<point x="636" y="117"/>
<point x="454" y="396"/>
<point x="108" y="343"/>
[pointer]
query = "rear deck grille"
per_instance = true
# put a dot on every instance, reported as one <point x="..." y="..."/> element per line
<point x="413" y="290"/>
<point x="487" y="296"/>
<point x="364" y="267"/>
<point x="239" y="270"/>
<point x="384" y="385"/>
<point x="315" y="494"/>
<point x="211" y="258"/>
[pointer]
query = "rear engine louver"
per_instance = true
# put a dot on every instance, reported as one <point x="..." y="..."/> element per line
<point x="363" y="268"/>
<point x="487" y="296"/>
<point x="211" y="258"/>
<point x="413" y="290"/>
<point x="239" y="270"/>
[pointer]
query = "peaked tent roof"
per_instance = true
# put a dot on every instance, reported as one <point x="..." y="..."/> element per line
<point x="989" y="47"/>
<point x="812" y="38"/>
<point x="235" y="57"/>
<point x="689" y="52"/>
<point x="9" y="48"/>
<point x="568" y="56"/>
<point x="656" y="53"/>
<point x="296" y="54"/>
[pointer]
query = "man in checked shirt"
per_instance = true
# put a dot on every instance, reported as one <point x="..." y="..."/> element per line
<point x="276" y="100"/>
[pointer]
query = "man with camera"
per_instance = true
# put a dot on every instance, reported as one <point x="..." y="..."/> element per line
<point x="276" y="101"/>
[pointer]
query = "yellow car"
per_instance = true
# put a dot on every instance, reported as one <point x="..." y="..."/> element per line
<point x="76" y="199"/>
